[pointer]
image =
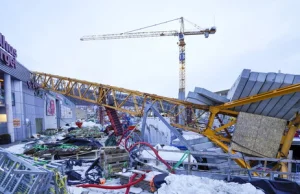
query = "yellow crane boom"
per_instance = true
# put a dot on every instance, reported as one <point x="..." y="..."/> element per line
<point x="134" y="102"/>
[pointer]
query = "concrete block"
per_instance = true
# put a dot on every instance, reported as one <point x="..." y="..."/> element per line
<point x="217" y="99"/>
<point x="248" y="87"/>
<point x="288" y="80"/>
<point x="265" y="87"/>
<point x="203" y="146"/>
<point x="238" y="86"/>
<point x="275" y="85"/>
<point x="292" y="101"/>
<point x="257" y="86"/>
<point x="258" y="135"/>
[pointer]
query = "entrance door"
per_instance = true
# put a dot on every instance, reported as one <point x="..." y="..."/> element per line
<point x="39" y="125"/>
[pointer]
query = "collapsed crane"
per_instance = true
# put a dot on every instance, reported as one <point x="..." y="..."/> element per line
<point x="120" y="99"/>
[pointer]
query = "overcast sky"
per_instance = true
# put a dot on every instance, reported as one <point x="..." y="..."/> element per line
<point x="263" y="36"/>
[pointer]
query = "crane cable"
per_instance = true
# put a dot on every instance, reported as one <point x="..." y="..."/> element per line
<point x="151" y="26"/>
<point x="195" y="25"/>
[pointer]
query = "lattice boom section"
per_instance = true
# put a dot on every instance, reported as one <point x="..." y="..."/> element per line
<point x="121" y="99"/>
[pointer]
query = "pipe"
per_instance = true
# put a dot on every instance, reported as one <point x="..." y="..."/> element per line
<point x="155" y="152"/>
<point x="151" y="147"/>
<point x="124" y="133"/>
<point x="125" y="142"/>
<point x="123" y="136"/>
<point x="113" y="187"/>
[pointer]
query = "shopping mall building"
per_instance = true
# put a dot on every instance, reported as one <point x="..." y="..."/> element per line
<point x="25" y="111"/>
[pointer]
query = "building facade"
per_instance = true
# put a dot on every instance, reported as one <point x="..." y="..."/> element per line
<point x="25" y="110"/>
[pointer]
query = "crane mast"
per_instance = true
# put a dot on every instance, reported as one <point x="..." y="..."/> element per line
<point x="181" y="44"/>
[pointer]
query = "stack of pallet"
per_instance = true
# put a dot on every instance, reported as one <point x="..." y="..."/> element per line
<point x="113" y="160"/>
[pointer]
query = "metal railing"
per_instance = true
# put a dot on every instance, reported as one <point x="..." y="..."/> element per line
<point x="229" y="169"/>
<point x="26" y="175"/>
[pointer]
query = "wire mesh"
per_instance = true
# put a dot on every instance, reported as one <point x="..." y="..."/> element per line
<point x="24" y="175"/>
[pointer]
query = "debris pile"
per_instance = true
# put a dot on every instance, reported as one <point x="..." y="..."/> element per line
<point x="61" y="148"/>
<point x="86" y="132"/>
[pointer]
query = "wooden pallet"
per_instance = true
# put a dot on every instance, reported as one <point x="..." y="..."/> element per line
<point x="85" y="155"/>
<point x="113" y="160"/>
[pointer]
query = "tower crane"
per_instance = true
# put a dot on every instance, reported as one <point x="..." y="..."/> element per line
<point x="181" y="43"/>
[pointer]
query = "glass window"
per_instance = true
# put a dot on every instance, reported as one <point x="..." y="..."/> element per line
<point x="13" y="98"/>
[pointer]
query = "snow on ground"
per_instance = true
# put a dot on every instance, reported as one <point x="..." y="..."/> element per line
<point x="184" y="184"/>
<point x="149" y="154"/>
<point x="16" y="149"/>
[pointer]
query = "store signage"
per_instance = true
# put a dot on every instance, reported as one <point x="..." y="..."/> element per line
<point x="17" y="123"/>
<point x="33" y="85"/>
<point x="7" y="53"/>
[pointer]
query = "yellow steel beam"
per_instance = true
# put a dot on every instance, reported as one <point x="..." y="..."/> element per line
<point x="284" y="151"/>
<point x="229" y="112"/>
<point x="293" y="126"/>
<point x="288" y="141"/>
<point x="282" y="139"/>
<point x="213" y="112"/>
<point x="42" y="78"/>
<point x="224" y="126"/>
<point x="99" y="93"/>
<point x="186" y="128"/>
<point x="271" y="94"/>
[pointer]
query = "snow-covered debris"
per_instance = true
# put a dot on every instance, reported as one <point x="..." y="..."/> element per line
<point x="184" y="184"/>
<point x="174" y="156"/>
<point x="90" y="124"/>
<point x="188" y="135"/>
<point x="16" y="149"/>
